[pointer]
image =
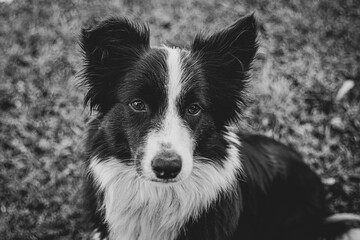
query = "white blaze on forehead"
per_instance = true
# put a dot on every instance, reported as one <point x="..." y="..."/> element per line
<point x="174" y="72"/>
<point x="173" y="132"/>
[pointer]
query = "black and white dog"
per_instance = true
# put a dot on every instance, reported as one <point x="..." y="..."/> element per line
<point x="164" y="161"/>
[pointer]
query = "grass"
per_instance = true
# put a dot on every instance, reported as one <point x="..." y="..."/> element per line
<point x="308" y="51"/>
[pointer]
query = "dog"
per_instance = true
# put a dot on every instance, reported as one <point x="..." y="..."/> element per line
<point x="164" y="160"/>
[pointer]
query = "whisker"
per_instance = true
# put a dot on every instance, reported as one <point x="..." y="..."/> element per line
<point x="202" y="158"/>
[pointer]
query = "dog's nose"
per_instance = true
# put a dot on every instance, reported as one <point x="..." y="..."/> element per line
<point x="166" y="165"/>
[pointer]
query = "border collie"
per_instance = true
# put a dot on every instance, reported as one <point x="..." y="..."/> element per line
<point x="164" y="160"/>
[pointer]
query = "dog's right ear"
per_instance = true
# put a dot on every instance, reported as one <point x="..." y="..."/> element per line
<point x="110" y="49"/>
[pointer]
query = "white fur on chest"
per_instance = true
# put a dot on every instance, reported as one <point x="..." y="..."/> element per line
<point x="136" y="209"/>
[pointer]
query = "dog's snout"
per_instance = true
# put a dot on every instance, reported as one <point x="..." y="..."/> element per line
<point x="166" y="165"/>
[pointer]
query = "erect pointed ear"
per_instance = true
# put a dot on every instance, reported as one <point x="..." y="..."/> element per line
<point x="226" y="59"/>
<point x="110" y="49"/>
<point x="233" y="47"/>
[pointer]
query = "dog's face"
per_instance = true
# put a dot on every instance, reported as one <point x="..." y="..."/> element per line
<point x="163" y="109"/>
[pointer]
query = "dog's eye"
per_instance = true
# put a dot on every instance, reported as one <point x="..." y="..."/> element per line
<point x="138" y="106"/>
<point x="194" y="109"/>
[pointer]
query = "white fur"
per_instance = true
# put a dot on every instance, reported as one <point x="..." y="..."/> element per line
<point x="173" y="131"/>
<point x="143" y="210"/>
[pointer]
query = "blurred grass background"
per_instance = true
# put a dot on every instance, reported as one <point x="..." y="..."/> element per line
<point x="310" y="50"/>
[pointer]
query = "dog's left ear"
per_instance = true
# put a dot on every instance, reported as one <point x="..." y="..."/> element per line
<point x="226" y="59"/>
<point x="233" y="47"/>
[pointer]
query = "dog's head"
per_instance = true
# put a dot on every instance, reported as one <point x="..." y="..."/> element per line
<point x="163" y="109"/>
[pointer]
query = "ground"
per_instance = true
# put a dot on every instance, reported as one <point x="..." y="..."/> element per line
<point x="305" y="93"/>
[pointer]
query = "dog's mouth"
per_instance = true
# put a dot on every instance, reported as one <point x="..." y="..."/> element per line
<point x="165" y="181"/>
